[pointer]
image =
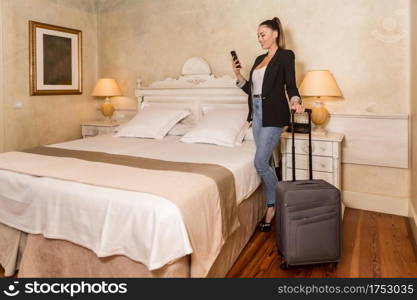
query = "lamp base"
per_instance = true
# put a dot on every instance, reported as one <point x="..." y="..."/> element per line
<point x="319" y="131"/>
<point x="109" y="120"/>
<point x="319" y="117"/>
<point x="107" y="109"/>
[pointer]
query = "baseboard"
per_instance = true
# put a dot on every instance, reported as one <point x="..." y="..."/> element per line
<point x="377" y="203"/>
<point x="413" y="223"/>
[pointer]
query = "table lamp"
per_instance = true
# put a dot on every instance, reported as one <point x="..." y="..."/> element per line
<point x="107" y="87"/>
<point x="319" y="83"/>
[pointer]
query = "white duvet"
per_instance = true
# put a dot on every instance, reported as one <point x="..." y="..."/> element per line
<point x="144" y="227"/>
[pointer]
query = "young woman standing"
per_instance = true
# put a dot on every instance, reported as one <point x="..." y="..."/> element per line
<point x="271" y="75"/>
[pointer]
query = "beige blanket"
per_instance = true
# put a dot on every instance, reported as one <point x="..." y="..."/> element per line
<point x="205" y="193"/>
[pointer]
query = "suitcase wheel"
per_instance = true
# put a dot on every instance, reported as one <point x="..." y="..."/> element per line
<point x="333" y="266"/>
<point x="284" y="266"/>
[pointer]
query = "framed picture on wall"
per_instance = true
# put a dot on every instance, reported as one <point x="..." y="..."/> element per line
<point x="55" y="60"/>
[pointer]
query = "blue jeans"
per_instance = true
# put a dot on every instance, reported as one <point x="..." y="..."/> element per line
<point x="266" y="140"/>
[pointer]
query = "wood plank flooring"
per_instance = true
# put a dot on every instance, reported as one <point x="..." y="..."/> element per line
<point x="374" y="245"/>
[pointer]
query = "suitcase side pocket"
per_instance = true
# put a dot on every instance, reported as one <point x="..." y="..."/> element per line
<point x="315" y="239"/>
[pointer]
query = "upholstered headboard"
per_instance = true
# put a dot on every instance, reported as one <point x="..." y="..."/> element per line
<point x="195" y="89"/>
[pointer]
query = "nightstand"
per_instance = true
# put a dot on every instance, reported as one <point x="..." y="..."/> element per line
<point x="326" y="155"/>
<point x="94" y="128"/>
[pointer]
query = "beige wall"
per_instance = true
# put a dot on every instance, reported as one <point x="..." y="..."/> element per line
<point x="384" y="181"/>
<point x="45" y="119"/>
<point x="365" y="43"/>
<point x="1" y="84"/>
<point x="413" y="100"/>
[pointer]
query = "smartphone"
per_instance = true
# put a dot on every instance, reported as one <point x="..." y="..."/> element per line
<point x="234" y="55"/>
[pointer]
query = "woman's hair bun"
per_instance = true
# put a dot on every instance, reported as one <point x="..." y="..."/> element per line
<point x="275" y="24"/>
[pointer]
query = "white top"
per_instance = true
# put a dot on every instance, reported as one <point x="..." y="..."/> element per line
<point x="257" y="79"/>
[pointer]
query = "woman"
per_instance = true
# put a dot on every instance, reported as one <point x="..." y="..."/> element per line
<point x="271" y="74"/>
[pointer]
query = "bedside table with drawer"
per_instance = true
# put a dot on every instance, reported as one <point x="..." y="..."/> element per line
<point x="94" y="128"/>
<point x="326" y="155"/>
<point x="326" y="152"/>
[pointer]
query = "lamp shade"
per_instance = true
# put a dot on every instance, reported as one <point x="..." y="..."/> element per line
<point x="319" y="83"/>
<point x="106" y="87"/>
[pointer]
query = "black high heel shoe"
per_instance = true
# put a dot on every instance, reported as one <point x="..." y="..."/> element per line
<point x="265" y="227"/>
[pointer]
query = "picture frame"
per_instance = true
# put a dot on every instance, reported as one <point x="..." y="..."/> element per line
<point x="55" y="60"/>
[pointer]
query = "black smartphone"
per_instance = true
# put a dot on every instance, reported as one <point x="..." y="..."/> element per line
<point x="234" y="55"/>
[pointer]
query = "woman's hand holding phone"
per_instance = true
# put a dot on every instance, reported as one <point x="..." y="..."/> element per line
<point x="235" y="63"/>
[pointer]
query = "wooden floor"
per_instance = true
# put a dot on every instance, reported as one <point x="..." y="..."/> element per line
<point x="374" y="245"/>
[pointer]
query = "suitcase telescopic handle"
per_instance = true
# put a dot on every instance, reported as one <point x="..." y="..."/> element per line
<point x="310" y="155"/>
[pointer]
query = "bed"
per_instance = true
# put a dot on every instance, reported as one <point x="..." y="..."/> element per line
<point x="126" y="207"/>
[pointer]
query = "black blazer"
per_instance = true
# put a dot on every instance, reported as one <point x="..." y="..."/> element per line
<point x="279" y="76"/>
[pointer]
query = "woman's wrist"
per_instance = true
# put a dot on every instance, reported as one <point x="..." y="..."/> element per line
<point x="240" y="78"/>
<point x="241" y="83"/>
<point x="295" y="99"/>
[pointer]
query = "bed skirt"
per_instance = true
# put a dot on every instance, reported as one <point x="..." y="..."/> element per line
<point x="12" y="243"/>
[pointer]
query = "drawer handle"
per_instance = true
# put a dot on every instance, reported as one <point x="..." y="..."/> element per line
<point x="305" y="148"/>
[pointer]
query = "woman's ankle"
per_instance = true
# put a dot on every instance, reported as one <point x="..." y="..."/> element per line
<point x="270" y="213"/>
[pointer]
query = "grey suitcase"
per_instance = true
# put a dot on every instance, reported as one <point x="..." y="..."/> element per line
<point x="308" y="218"/>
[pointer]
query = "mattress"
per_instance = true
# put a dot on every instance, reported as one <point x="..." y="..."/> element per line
<point x="37" y="204"/>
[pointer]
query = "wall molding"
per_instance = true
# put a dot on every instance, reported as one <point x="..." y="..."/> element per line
<point x="370" y="116"/>
<point x="378" y="203"/>
<point x="374" y="139"/>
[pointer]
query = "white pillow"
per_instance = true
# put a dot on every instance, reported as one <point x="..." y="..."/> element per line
<point x="243" y="131"/>
<point x="207" y="107"/>
<point x="152" y="122"/>
<point x="189" y="120"/>
<point x="180" y="129"/>
<point x="224" y="127"/>
<point x="249" y="134"/>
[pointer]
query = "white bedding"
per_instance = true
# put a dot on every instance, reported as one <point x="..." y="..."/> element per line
<point x="144" y="227"/>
